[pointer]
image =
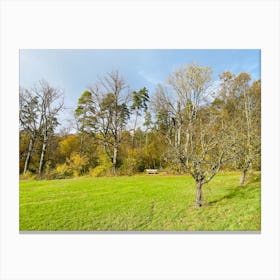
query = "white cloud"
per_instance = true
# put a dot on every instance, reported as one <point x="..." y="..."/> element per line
<point x="149" y="78"/>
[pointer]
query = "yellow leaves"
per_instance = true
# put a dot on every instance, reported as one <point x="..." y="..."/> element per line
<point x="75" y="165"/>
<point x="68" y="145"/>
<point x="133" y="153"/>
<point x="76" y="161"/>
<point x="104" y="167"/>
<point x="207" y="157"/>
<point x="63" y="170"/>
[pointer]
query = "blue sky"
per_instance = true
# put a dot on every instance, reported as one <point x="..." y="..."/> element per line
<point x="75" y="70"/>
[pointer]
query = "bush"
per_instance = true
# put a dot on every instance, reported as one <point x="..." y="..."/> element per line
<point x="77" y="164"/>
<point x="63" y="171"/>
<point x="27" y="176"/>
<point x="103" y="169"/>
<point x="98" y="171"/>
<point x="132" y="164"/>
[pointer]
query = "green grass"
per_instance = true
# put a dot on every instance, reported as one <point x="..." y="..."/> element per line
<point x="139" y="203"/>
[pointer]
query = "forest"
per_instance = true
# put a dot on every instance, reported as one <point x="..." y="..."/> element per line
<point x="188" y="125"/>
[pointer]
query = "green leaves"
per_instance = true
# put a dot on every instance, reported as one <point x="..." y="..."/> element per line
<point x="140" y="99"/>
<point x="85" y="113"/>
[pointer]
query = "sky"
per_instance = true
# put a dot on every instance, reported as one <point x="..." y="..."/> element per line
<point x="75" y="70"/>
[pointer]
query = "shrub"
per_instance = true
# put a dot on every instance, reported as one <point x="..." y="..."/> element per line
<point x="63" y="171"/>
<point x="98" y="171"/>
<point x="103" y="169"/>
<point x="77" y="164"/>
<point x="133" y="163"/>
<point x="27" y="176"/>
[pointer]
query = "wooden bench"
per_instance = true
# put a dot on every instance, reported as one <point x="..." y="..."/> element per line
<point x="151" y="171"/>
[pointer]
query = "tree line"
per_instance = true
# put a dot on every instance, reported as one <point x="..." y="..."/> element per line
<point x="186" y="125"/>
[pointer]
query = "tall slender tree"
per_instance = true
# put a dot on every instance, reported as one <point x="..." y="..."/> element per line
<point x="85" y="116"/>
<point x="50" y="104"/>
<point x="29" y="120"/>
<point x="240" y="100"/>
<point x="139" y="102"/>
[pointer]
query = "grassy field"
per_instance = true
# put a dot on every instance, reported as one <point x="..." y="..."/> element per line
<point x="139" y="203"/>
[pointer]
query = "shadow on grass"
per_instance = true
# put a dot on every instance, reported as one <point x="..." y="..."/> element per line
<point x="239" y="191"/>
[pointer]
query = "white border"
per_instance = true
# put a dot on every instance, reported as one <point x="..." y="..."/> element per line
<point x="142" y="24"/>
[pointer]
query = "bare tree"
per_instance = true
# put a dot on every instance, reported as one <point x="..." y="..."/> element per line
<point x="196" y="137"/>
<point x="241" y="105"/>
<point x="50" y="104"/>
<point x="39" y="108"/>
<point x="29" y="120"/>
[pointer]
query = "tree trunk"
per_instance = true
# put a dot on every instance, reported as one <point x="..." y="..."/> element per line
<point x="81" y="145"/>
<point x="146" y="139"/>
<point x="198" y="200"/>
<point x="134" y="130"/>
<point x="42" y="158"/>
<point x="28" y="157"/>
<point x="243" y="177"/>
<point x="187" y="146"/>
<point x="115" y="155"/>
<point x="179" y="136"/>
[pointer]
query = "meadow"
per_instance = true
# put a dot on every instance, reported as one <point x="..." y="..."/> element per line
<point x="139" y="203"/>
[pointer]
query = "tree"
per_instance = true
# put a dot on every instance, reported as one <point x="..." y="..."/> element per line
<point x="147" y="123"/>
<point x="85" y="115"/>
<point x="255" y="95"/>
<point x="39" y="108"/>
<point x="241" y="105"/>
<point x="139" y="102"/>
<point x="29" y="120"/>
<point x="196" y="138"/>
<point x="68" y="145"/>
<point x="105" y="113"/>
<point x="50" y="104"/>
<point x="115" y="115"/>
